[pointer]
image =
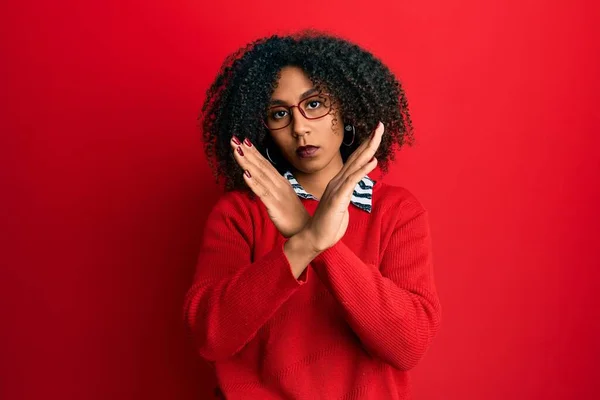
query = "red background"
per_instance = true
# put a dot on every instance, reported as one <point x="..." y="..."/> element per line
<point x="106" y="188"/>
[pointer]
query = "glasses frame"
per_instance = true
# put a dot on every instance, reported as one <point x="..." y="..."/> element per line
<point x="289" y="108"/>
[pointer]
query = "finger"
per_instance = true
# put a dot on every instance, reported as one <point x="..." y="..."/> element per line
<point x="251" y="159"/>
<point x="257" y="158"/>
<point x="246" y="157"/>
<point x="363" y="155"/>
<point x="364" y="146"/>
<point x="343" y="192"/>
<point x="240" y="155"/>
<point x="258" y="187"/>
<point x="352" y="180"/>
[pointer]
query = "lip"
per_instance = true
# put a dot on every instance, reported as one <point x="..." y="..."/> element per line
<point x="307" y="151"/>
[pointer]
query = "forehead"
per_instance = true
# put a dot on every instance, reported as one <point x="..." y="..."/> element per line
<point x="292" y="83"/>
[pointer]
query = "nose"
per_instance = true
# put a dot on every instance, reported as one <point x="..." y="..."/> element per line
<point x="299" y="123"/>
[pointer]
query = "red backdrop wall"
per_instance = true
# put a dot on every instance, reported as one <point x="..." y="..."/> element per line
<point x="106" y="189"/>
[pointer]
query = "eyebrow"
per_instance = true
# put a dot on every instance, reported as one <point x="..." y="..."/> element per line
<point x="277" y="102"/>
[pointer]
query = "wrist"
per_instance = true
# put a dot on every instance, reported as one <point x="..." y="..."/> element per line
<point x="299" y="254"/>
<point x="306" y="237"/>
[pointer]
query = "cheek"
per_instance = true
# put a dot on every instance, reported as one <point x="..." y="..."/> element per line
<point x="282" y="142"/>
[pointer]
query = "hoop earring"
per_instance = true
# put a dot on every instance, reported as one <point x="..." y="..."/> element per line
<point x="269" y="157"/>
<point x="349" y="128"/>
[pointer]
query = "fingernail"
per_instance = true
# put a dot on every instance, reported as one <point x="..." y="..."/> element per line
<point x="236" y="140"/>
<point x="239" y="150"/>
<point x="247" y="142"/>
<point x="247" y="173"/>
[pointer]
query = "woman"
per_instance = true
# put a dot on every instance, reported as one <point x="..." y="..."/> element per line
<point x="313" y="280"/>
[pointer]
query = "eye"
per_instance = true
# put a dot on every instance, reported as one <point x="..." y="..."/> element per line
<point x="311" y="105"/>
<point x="279" y="114"/>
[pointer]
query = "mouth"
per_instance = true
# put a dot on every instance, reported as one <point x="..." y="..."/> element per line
<point x="307" y="151"/>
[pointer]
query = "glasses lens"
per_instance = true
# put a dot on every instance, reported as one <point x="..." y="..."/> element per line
<point x="316" y="106"/>
<point x="278" y="117"/>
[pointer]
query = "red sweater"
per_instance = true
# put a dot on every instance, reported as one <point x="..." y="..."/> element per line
<point x="351" y="327"/>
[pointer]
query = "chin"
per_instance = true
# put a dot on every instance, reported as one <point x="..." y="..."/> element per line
<point x="308" y="168"/>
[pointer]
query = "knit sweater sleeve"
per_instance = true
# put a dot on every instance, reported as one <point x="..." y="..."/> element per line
<point x="393" y="308"/>
<point x="232" y="296"/>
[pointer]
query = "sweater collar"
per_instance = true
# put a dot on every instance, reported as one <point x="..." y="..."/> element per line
<point x="362" y="196"/>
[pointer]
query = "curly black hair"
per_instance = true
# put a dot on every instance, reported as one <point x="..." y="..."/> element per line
<point x="363" y="89"/>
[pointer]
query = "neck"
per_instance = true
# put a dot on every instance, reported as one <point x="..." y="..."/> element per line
<point x="316" y="182"/>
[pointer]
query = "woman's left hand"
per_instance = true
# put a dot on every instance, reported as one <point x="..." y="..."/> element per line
<point x="330" y="220"/>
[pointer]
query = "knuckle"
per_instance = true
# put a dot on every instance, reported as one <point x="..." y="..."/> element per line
<point x="352" y="179"/>
<point x="265" y="165"/>
<point x="268" y="166"/>
<point x="279" y="185"/>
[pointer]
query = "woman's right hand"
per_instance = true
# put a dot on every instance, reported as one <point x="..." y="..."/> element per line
<point x="330" y="220"/>
<point x="283" y="205"/>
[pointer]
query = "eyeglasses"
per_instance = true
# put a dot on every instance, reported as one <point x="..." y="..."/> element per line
<point x="313" y="107"/>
